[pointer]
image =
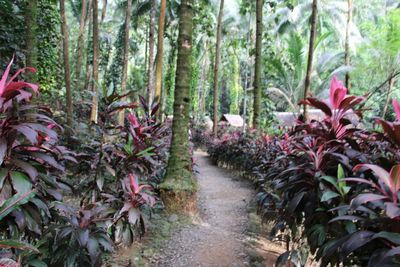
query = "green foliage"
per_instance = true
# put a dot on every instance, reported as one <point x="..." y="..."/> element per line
<point x="11" y="32"/>
<point x="48" y="43"/>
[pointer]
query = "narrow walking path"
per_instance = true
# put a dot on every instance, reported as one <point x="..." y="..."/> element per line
<point x="218" y="238"/>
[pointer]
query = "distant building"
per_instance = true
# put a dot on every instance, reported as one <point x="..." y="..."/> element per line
<point x="232" y="120"/>
<point x="289" y="119"/>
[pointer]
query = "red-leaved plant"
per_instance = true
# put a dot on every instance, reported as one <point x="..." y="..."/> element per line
<point x="376" y="211"/>
<point x="30" y="160"/>
<point x="392" y="129"/>
<point x="340" y="109"/>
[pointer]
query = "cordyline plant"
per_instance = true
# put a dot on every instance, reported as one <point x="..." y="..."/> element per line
<point x="392" y="129"/>
<point x="376" y="212"/>
<point x="30" y="160"/>
<point x="126" y="212"/>
<point x="303" y="184"/>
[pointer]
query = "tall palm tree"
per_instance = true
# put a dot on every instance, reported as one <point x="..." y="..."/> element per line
<point x="216" y="66"/>
<point x="150" y="72"/>
<point x="313" y="34"/>
<point x="258" y="65"/>
<point x="80" y="42"/>
<point x="160" y="50"/>
<point x="126" y="55"/>
<point x="95" y="71"/>
<point x="347" y="45"/>
<point x="30" y="15"/>
<point x="67" y="75"/>
<point x="178" y="188"/>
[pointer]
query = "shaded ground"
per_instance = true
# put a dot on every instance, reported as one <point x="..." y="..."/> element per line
<point x="219" y="236"/>
<point x="226" y="232"/>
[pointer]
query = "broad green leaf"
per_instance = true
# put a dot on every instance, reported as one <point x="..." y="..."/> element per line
<point x="20" y="182"/>
<point x="340" y="172"/>
<point x="392" y="237"/>
<point x="14" y="202"/>
<point x="3" y="175"/>
<point x="332" y="181"/>
<point x="37" y="263"/>
<point x="329" y="195"/>
<point x="146" y="152"/>
<point x="340" y="177"/>
<point x="10" y="243"/>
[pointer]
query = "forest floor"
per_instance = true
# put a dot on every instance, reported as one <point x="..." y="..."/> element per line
<point x="226" y="231"/>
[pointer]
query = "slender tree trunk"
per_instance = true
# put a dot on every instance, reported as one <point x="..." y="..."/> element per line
<point x="150" y="70"/>
<point x="95" y="75"/>
<point x="258" y="65"/>
<point x="67" y="74"/>
<point x="247" y="69"/>
<point x="347" y="45"/>
<point x="388" y="94"/>
<point x="89" y="64"/>
<point x="170" y="78"/>
<point x="80" y="43"/>
<point x="216" y="66"/>
<point x="160" y="50"/>
<point x="104" y="11"/>
<point x="30" y="35"/>
<point x="202" y="86"/>
<point x="177" y="191"/>
<point x="313" y="34"/>
<point x="128" y="14"/>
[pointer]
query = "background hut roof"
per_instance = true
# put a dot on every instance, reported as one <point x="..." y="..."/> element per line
<point x="233" y="120"/>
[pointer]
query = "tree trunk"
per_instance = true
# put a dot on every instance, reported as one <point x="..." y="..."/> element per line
<point x="150" y="70"/>
<point x="216" y="66"/>
<point x="95" y="75"/>
<point x="104" y="11"/>
<point x="30" y="35"/>
<point x="89" y="64"/>
<point x="160" y="50"/>
<point x="128" y="14"/>
<point x="202" y="85"/>
<point x="347" y="45"/>
<point x="67" y="74"/>
<point x="79" y="46"/>
<point x="313" y="34"/>
<point x="177" y="191"/>
<point x="257" y="94"/>
<point x="388" y="94"/>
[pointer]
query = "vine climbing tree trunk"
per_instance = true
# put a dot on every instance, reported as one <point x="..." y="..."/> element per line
<point x="128" y="14"/>
<point x="178" y="188"/>
<point x="347" y="45"/>
<point x="258" y="66"/>
<point x="30" y="16"/>
<point x="160" y="50"/>
<point x="150" y="70"/>
<point x="67" y="74"/>
<point x="95" y="71"/>
<point x="216" y="67"/>
<point x="313" y="34"/>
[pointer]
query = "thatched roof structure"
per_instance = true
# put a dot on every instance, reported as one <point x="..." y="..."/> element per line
<point x="233" y="120"/>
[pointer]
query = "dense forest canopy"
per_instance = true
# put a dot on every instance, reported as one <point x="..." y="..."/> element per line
<point x="102" y="100"/>
<point x="372" y="46"/>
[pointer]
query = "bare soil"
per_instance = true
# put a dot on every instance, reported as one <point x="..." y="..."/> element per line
<point x="219" y="236"/>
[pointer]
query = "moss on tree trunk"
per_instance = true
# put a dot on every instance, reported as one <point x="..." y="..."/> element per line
<point x="178" y="189"/>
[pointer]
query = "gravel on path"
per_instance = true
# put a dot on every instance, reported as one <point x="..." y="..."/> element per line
<point x="217" y="238"/>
